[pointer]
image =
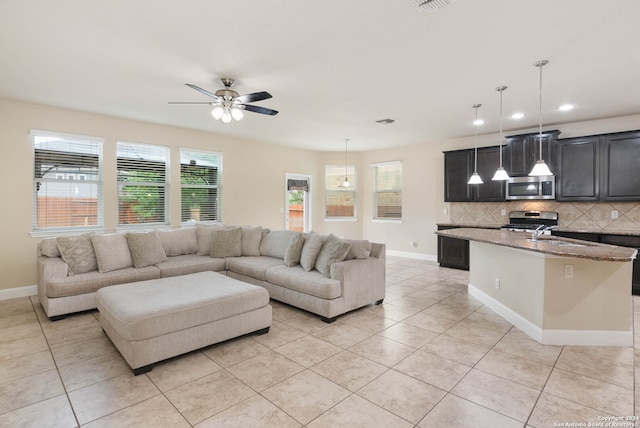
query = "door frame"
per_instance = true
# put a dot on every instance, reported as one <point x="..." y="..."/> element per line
<point x="307" y="200"/>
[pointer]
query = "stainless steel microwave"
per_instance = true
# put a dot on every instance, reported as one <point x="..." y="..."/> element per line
<point x="531" y="187"/>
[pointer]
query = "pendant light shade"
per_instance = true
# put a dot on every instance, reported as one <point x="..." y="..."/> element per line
<point x="540" y="168"/>
<point x="501" y="173"/>
<point x="475" y="177"/>
<point x="346" y="182"/>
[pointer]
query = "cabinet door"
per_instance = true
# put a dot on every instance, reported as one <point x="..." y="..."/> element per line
<point x="523" y="151"/>
<point x="453" y="252"/>
<point x="578" y="169"/>
<point x="621" y="167"/>
<point x="457" y="170"/>
<point x="488" y="162"/>
<point x="517" y="155"/>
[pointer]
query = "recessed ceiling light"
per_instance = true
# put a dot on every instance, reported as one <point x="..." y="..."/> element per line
<point x="565" y="107"/>
<point x="478" y="122"/>
<point x="517" y="115"/>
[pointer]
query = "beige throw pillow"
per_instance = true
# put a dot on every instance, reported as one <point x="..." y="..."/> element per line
<point x="333" y="250"/>
<point x="294" y="250"/>
<point x="49" y="247"/>
<point x="226" y="242"/>
<point x="251" y="238"/>
<point x="203" y="234"/>
<point x="179" y="242"/>
<point x="276" y="242"/>
<point x="112" y="251"/>
<point x="77" y="252"/>
<point x="360" y="249"/>
<point x="146" y="248"/>
<point x="310" y="250"/>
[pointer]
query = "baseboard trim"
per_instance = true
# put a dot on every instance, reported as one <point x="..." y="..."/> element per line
<point x="14" y="293"/>
<point x="408" y="255"/>
<point x="554" y="337"/>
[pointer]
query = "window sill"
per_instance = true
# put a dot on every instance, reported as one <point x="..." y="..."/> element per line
<point x="340" y="220"/>
<point x="64" y="232"/>
<point x="387" y="220"/>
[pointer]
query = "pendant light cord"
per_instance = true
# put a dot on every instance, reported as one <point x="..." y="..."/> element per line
<point x="541" y="64"/>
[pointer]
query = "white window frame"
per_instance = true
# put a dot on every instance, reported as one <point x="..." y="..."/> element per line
<point x="376" y="192"/>
<point x="351" y="171"/>
<point x="218" y="186"/>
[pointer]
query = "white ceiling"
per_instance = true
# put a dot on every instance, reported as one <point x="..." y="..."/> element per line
<point x="334" y="67"/>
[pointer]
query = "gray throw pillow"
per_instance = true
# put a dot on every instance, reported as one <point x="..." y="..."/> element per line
<point x="112" y="251"/>
<point x="276" y="242"/>
<point x="294" y="250"/>
<point x="310" y="250"/>
<point x="226" y="242"/>
<point x="179" y="242"/>
<point x="203" y="234"/>
<point x="333" y="250"/>
<point x="77" y="252"/>
<point x="360" y="249"/>
<point x="251" y="238"/>
<point x="146" y="248"/>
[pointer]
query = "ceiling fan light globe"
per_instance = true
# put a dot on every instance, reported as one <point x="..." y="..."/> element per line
<point x="237" y="114"/>
<point x="226" y="117"/>
<point x="217" y="112"/>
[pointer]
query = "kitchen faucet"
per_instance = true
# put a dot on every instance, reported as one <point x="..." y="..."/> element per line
<point x="535" y="234"/>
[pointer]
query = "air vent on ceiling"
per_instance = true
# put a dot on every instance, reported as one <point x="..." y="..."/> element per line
<point x="385" y="121"/>
<point x="430" y="6"/>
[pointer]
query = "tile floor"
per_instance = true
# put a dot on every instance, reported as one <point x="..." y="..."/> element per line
<point x="430" y="356"/>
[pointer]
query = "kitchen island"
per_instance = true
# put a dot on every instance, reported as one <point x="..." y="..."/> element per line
<point x="557" y="290"/>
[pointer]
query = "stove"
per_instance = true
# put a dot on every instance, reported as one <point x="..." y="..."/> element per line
<point x="528" y="221"/>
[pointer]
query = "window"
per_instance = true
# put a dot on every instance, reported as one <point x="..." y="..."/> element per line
<point x="60" y="202"/>
<point x="388" y="190"/>
<point x="200" y="185"/>
<point x="340" y="201"/>
<point x="142" y="183"/>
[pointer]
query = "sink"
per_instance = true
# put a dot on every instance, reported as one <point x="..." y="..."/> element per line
<point x="556" y="242"/>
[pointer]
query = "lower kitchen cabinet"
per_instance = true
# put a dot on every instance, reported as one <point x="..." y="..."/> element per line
<point x="453" y="252"/>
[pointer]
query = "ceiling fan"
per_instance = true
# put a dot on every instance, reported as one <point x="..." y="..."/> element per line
<point x="228" y="104"/>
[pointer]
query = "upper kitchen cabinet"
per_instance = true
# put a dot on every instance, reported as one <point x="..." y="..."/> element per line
<point x="458" y="167"/>
<point x="523" y="151"/>
<point x="577" y="169"/>
<point x="620" y="166"/>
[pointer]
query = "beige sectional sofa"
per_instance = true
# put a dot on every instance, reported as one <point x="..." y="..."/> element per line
<point x="325" y="275"/>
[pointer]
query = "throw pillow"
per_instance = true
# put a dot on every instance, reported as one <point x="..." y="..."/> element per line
<point x="146" y="248"/>
<point x="77" y="252"/>
<point x="226" y="242"/>
<point x="276" y="242"/>
<point x="178" y="242"/>
<point x="112" y="251"/>
<point x="358" y="249"/>
<point x="310" y="251"/>
<point x="294" y="250"/>
<point x="49" y="247"/>
<point x="333" y="250"/>
<point x="203" y="235"/>
<point x="251" y="238"/>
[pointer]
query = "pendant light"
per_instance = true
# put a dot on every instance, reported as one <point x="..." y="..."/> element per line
<point x="475" y="178"/>
<point x="346" y="182"/>
<point x="540" y="168"/>
<point x="501" y="173"/>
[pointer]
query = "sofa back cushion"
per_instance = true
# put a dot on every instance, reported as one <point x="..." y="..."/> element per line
<point x="77" y="252"/>
<point x="203" y="234"/>
<point x="275" y="243"/>
<point x="294" y="250"/>
<point x="360" y="249"/>
<point x="48" y="247"/>
<point x="251" y="239"/>
<point x="146" y="248"/>
<point x="226" y="242"/>
<point x="310" y="250"/>
<point x="333" y="250"/>
<point x="179" y="242"/>
<point x="112" y="251"/>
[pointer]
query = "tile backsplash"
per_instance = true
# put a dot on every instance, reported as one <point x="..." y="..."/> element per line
<point x="588" y="216"/>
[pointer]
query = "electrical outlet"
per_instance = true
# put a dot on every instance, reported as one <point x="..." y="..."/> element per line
<point x="503" y="212"/>
<point x="445" y="211"/>
<point x="568" y="271"/>
<point x="614" y="214"/>
<point x="497" y="284"/>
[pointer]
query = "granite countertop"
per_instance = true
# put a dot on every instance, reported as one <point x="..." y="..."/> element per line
<point x="629" y="232"/>
<point x="582" y="249"/>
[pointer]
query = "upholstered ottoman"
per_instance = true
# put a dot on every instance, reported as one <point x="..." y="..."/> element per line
<point x="150" y="321"/>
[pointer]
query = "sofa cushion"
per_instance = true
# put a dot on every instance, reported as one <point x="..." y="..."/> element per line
<point x="310" y="250"/>
<point x="313" y="283"/>
<point x="190" y="263"/>
<point x="333" y="250"/>
<point x="49" y="247"/>
<point x="294" y="250"/>
<point x="226" y="242"/>
<point x="77" y="252"/>
<point x="112" y="251"/>
<point x="90" y="282"/>
<point x="146" y="248"/>
<point x="255" y="267"/>
<point x="251" y="239"/>
<point x="203" y="234"/>
<point x="360" y="249"/>
<point x="179" y="241"/>
<point x="276" y="242"/>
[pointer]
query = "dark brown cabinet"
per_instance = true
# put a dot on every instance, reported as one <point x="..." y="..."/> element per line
<point x="621" y="159"/>
<point x="523" y="151"/>
<point x="453" y="252"/>
<point x="458" y="167"/>
<point x="578" y="169"/>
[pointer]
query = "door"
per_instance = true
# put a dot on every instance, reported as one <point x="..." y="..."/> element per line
<point x="298" y="202"/>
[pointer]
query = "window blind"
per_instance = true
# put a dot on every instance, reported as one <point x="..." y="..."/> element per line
<point x="200" y="185"/>
<point x="340" y="201"/>
<point x="388" y="190"/>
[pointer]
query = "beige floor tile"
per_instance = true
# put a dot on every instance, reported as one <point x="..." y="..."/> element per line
<point x="433" y="369"/>
<point x="349" y="370"/>
<point x="94" y="370"/>
<point x="410" y="335"/>
<point x="17" y="306"/>
<point x="305" y="322"/>
<point x="204" y="397"/>
<point x="342" y="335"/>
<point x="306" y="395"/>
<point x="154" y="412"/>
<point x="475" y="335"/>
<point x="402" y="395"/>
<point x="180" y="370"/>
<point x="528" y="348"/>
<point x="22" y="347"/>
<point x="54" y="411"/>
<point x="590" y="392"/>
<point x="367" y="321"/>
<point x="28" y="365"/>
<point x="265" y="370"/>
<point x="430" y="322"/>
<point x="308" y="351"/>
<point x="456" y="412"/>
<point x="391" y="311"/>
<point x="66" y="332"/>
<point x="81" y="351"/>
<point x="234" y="351"/>
<point x="501" y="395"/>
<point x="551" y="409"/>
<point x="619" y="354"/>
<point x="514" y="368"/>
<point x="279" y="334"/>
<point x="409" y="302"/>
<point x="381" y="350"/>
<point x="30" y="390"/>
<point x="18" y="327"/>
<point x="252" y="412"/>
<point x="462" y="300"/>
<point x="421" y="299"/>
<point x="456" y="350"/>
<point x="487" y="321"/>
<point x="448" y="312"/>
<point x="591" y="365"/>
<point x="356" y="412"/>
<point x="109" y="396"/>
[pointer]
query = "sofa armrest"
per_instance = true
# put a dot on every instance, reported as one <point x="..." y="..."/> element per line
<point x="362" y="280"/>
<point x="48" y="268"/>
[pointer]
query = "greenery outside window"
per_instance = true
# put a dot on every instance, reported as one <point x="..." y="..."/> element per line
<point x="388" y="191"/>
<point x="143" y="186"/>
<point x="200" y="174"/>
<point x="67" y="182"/>
<point x="340" y="201"/>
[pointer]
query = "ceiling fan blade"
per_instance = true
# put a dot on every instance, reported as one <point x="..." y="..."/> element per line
<point x="251" y="98"/>
<point x="203" y="91"/>
<point x="192" y="102"/>
<point x="261" y="110"/>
